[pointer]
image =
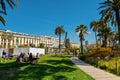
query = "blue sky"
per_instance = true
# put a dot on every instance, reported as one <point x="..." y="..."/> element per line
<point x="41" y="17"/>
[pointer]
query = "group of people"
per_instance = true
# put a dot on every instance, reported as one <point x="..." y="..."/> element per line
<point x="23" y="57"/>
<point x="29" y="58"/>
<point x="6" y="55"/>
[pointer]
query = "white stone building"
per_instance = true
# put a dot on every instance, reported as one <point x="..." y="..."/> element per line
<point x="26" y="40"/>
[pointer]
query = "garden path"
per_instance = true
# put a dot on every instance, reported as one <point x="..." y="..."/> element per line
<point x="96" y="73"/>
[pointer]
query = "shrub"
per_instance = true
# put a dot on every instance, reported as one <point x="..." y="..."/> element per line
<point x="104" y="58"/>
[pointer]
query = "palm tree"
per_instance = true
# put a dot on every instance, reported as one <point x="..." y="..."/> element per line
<point x="103" y="32"/>
<point x="101" y="25"/>
<point x="106" y="31"/>
<point x="82" y="29"/>
<point x="59" y="31"/>
<point x="67" y="43"/>
<point x="111" y="12"/>
<point x="94" y="25"/>
<point x="11" y="3"/>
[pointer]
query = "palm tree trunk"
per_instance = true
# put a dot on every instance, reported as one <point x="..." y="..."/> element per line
<point x="105" y="42"/>
<point x="59" y="43"/>
<point x="114" y="41"/>
<point x="118" y="23"/>
<point x="119" y="33"/>
<point x="81" y="45"/>
<point x="96" y="39"/>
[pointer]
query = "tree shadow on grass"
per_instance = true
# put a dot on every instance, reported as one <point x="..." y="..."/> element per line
<point x="62" y="56"/>
<point x="38" y="72"/>
<point x="62" y="61"/>
<point x="9" y="70"/>
<point x="59" y="77"/>
<point x="23" y="71"/>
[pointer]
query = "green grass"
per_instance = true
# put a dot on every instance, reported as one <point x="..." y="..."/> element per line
<point x="50" y="67"/>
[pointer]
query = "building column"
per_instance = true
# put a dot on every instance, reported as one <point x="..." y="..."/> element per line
<point x="31" y="41"/>
<point x="25" y="42"/>
<point x="19" y="41"/>
<point x="6" y="46"/>
<point x="36" y="42"/>
<point x="22" y="41"/>
<point x="11" y="43"/>
<point x="28" y="41"/>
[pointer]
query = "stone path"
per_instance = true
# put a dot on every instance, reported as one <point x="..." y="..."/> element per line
<point x="96" y="73"/>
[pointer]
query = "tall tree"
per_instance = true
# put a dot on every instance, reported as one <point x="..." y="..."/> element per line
<point x="102" y="24"/>
<point x="59" y="31"/>
<point x="111" y="12"/>
<point x="82" y="29"/>
<point x="95" y="27"/>
<point x="86" y="44"/>
<point x="67" y="43"/>
<point x="11" y="3"/>
<point x="105" y="32"/>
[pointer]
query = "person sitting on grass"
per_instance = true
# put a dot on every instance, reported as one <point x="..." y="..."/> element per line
<point x="30" y="58"/>
<point x="24" y="57"/>
<point x="10" y="55"/>
<point x="37" y="57"/>
<point x="4" y="55"/>
<point x="18" y="58"/>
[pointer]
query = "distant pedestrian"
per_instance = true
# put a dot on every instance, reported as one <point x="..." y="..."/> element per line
<point x="75" y="53"/>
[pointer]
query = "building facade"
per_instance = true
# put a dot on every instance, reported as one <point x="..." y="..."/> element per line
<point x="15" y="39"/>
<point x="75" y="45"/>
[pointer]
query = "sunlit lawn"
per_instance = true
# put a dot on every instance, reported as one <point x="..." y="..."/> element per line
<point x="50" y="67"/>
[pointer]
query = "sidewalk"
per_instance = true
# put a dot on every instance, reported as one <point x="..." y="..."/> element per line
<point x="96" y="73"/>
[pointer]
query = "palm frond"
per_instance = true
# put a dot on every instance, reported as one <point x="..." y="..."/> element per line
<point x="3" y="6"/>
<point x="2" y="20"/>
<point x="11" y="3"/>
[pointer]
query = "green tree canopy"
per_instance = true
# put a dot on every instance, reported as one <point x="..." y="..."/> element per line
<point x="110" y="11"/>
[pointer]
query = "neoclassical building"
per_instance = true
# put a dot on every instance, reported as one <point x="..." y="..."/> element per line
<point x="16" y="39"/>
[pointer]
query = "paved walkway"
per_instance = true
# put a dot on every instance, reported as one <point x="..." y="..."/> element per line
<point x="96" y="73"/>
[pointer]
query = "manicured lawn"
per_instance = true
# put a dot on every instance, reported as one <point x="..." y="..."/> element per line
<point x="50" y="67"/>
